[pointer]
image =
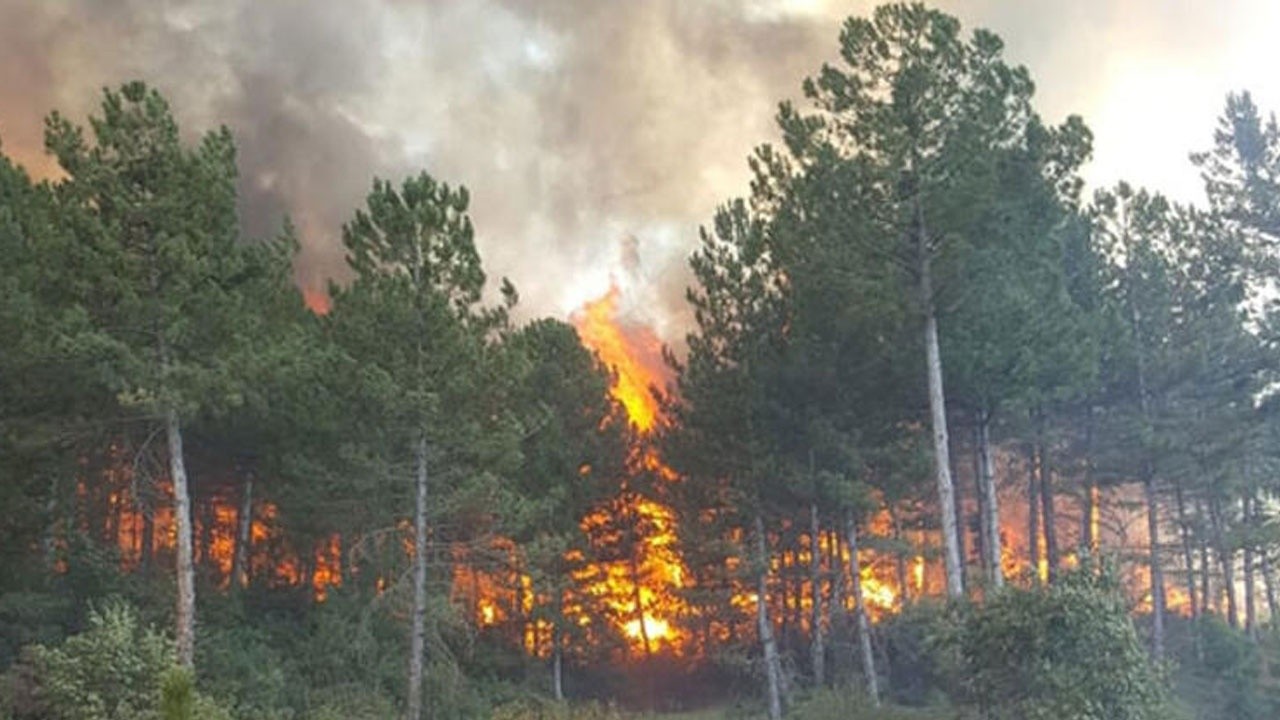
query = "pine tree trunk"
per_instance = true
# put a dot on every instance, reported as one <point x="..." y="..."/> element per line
<point x="1149" y="490"/>
<point x="146" y="551"/>
<point x="900" y="557"/>
<point x="1268" y="583"/>
<point x="1188" y="555"/>
<point x="244" y="523"/>
<point x="1033" y="513"/>
<point x="990" y="503"/>
<point x="1050" y="520"/>
<point x="817" y="632"/>
<point x="1250" y="587"/>
<point x="418" y="638"/>
<point x="1088" y="547"/>
<point x="1206" y="568"/>
<point x="1157" y="570"/>
<point x="860" y="613"/>
<point x="1226" y="561"/>
<point x="186" y="614"/>
<point x="772" y="665"/>
<point x="941" y="449"/>
<point x="557" y="649"/>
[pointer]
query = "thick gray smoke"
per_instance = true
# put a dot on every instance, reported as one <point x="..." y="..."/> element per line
<point x="575" y="123"/>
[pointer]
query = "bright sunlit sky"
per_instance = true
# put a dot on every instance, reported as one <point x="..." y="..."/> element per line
<point x="578" y="123"/>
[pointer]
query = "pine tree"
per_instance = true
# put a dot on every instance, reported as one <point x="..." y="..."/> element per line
<point x="166" y="276"/>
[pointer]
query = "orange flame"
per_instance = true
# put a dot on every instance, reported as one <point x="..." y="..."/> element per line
<point x="640" y="591"/>
<point x="631" y="350"/>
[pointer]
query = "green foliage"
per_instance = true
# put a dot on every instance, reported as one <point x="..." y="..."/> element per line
<point x="117" y="669"/>
<point x="1220" y="672"/>
<point x="1065" y="652"/>
<point x="847" y="704"/>
<point x="112" y="670"/>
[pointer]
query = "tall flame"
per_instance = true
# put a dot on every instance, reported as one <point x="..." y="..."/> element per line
<point x="631" y="350"/>
<point x="639" y="591"/>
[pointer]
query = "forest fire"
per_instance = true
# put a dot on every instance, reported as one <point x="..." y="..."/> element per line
<point x="638" y="589"/>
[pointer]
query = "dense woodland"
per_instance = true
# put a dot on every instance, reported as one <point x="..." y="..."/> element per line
<point x="951" y="433"/>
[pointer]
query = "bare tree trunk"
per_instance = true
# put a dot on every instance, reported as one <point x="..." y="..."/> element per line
<point x="860" y="613"/>
<point x="1250" y="587"/>
<point x="186" y="614"/>
<point x="1206" y="568"/>
<point x="1033" y="512"/>
<point x="1226" y="561"/>
<point x="1157" y="570"/>
<point x="772" y="664"/>
<point x="1088" y="547"/>
<point x="1188" y="556"/>
<point x="938" y="414"/>
<point x="244" y="522"/>
<point x="990" y="503"/>
<point x="1044" y="470"/>
<point x="817" y="633"/>
<point x="900" y="557"/>
<point x="418" y="637"/>
<point x="557" y="649"/>
<point x="1149" y="490"/>
<point x="146" y="553"/>
<point x="1268" y="582"/>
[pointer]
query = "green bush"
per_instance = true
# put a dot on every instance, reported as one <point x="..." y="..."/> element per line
<point x="1221" y="672"/>
<point x="116" y="669"/>
<point x="1066" y="652"/>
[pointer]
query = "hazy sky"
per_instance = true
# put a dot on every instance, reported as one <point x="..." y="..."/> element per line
<point x="578" y="123"/>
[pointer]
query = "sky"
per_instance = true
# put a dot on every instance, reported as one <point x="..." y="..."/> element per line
<point x="595" y="136"/>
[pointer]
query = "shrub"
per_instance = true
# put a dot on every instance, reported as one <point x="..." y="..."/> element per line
<point x="1066" y="652"/>
<point x="116" y="669"/>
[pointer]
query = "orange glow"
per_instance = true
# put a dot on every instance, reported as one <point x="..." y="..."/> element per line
<point x="317" y="300"/>
<point x="631" y="350"/>
<point x="639" y="591"/>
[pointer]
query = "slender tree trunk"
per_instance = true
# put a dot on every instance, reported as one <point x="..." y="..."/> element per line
<point x="1149" y="490"/>
<point x="1206" y="568"/>
<point x="557" y="649"/>
<point x="1250" y="587"/>
<point x="1226" y="561"/>
<point x="1088" y="547"/>
<point x="860" y="613"/>
<point x="146" y="551"/>
<point x="980" y="501"/>
<point x="244" y="523"/>
<point x="638" y="598"/>
<point x="900" y="557"/>
<point x="1188" y="555"/>
<point x="1033" y="512"/>
<point x="1268" y="583"/>
<point x="938" y="414"/>
<point x="817" y="633"/>
<point x="186" y="615"/>
<point x="418" y="638"/>
<point x="1157" y="570"/>
<point x="991" y="544"/>
<point x="204" y="550"/>
<point x="1049" y="517"/>
<point x="772" y="665"/>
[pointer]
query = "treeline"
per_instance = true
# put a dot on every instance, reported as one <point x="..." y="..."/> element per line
<point x="917" y="282"/>
<point x="383" y="508"/>
<point x="176" y="424"/>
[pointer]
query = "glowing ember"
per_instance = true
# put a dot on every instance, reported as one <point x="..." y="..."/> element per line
<point x="317" y="300"/>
